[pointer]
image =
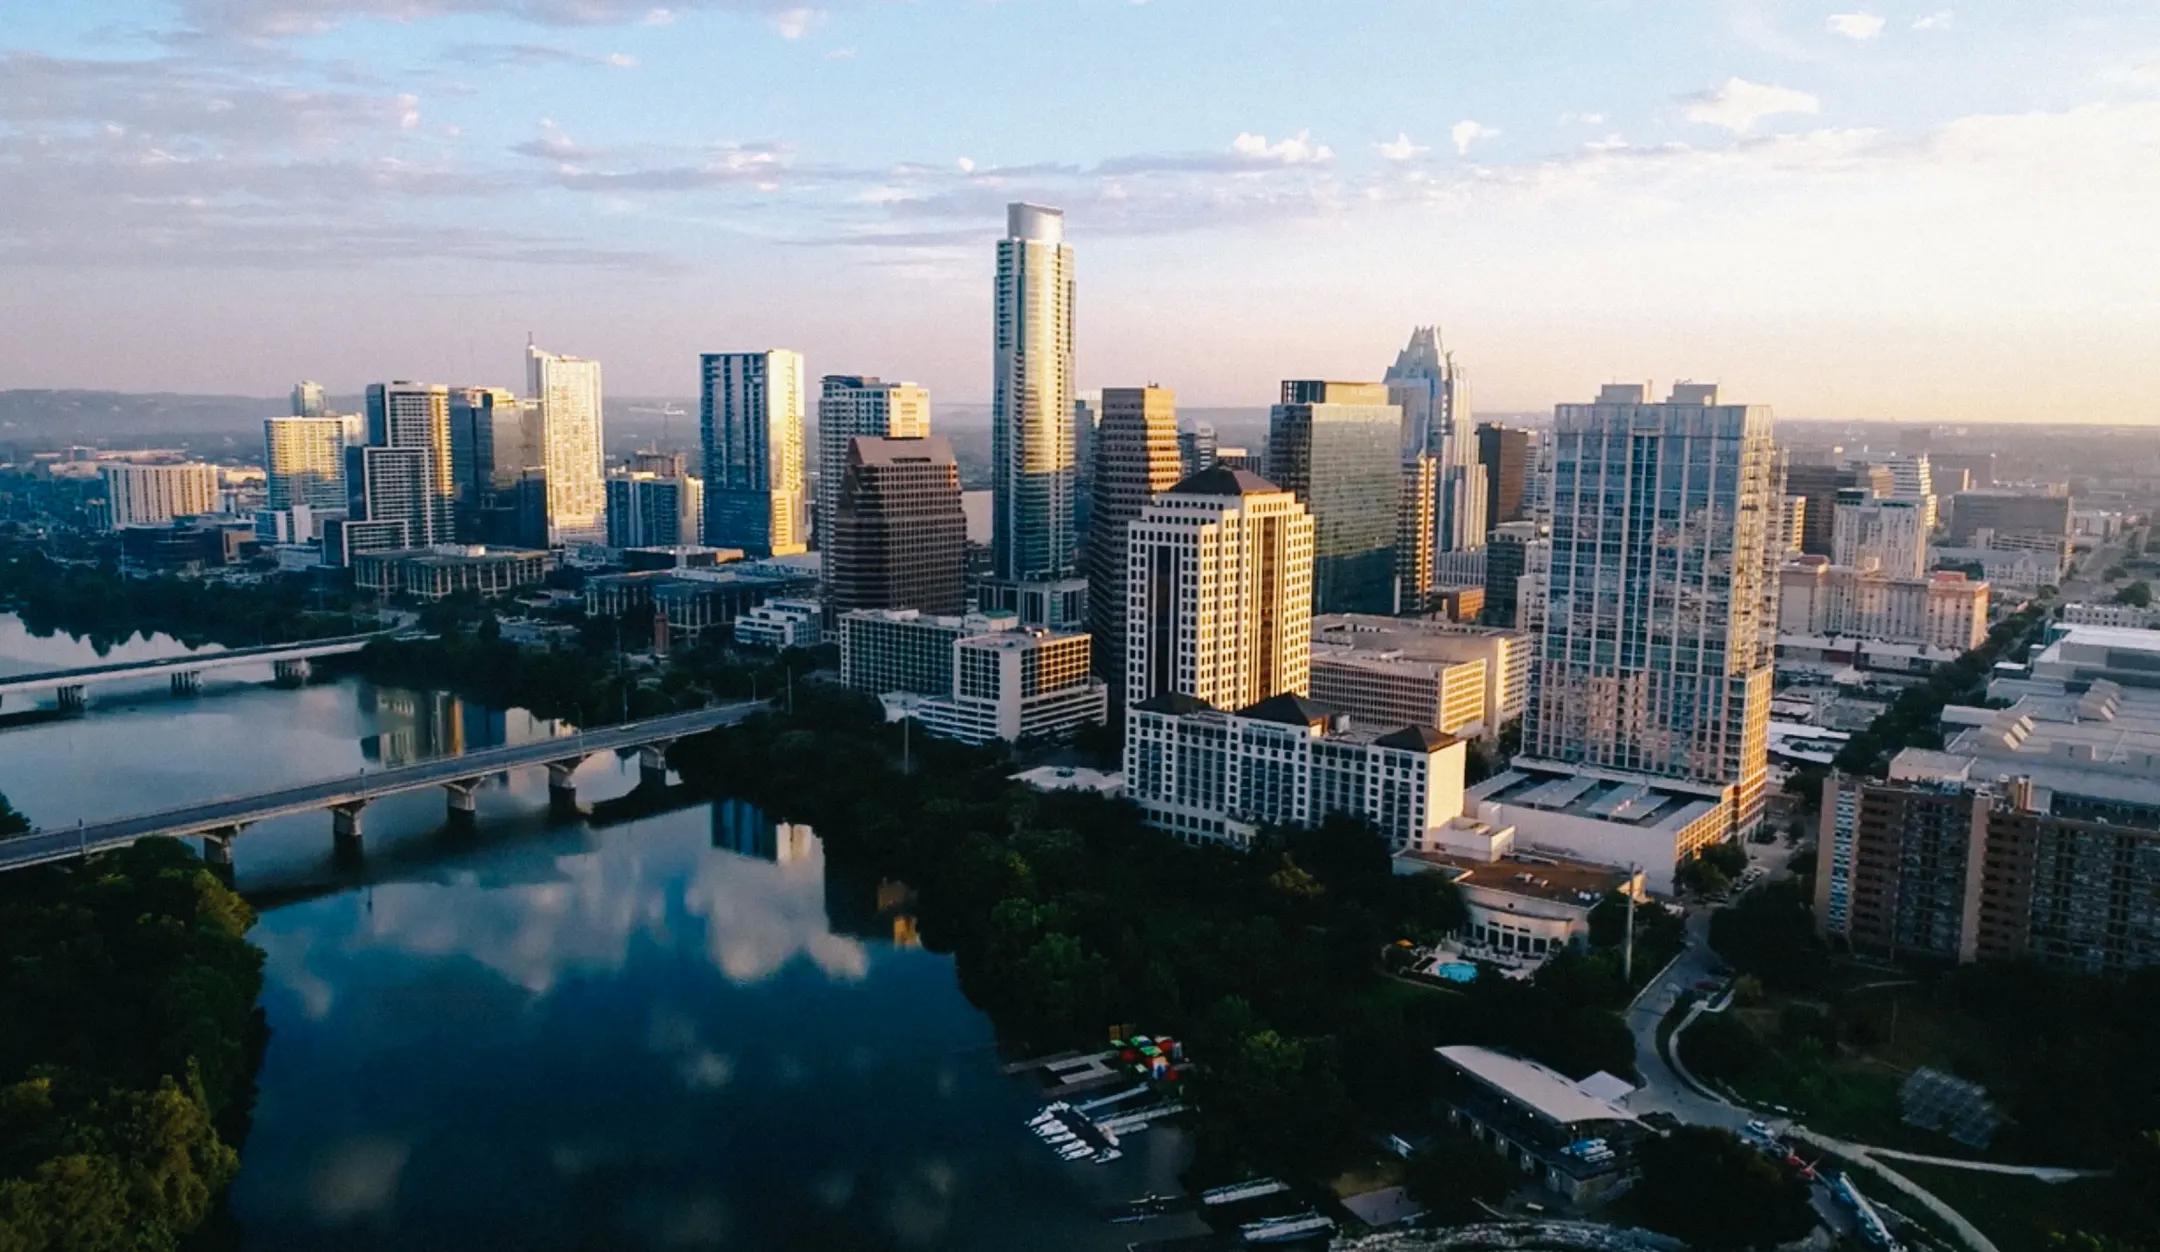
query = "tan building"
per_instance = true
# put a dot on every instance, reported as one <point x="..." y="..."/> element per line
<point x="447" y="569"/>
<point x="1219" y="592"/>
<point x="1433" y="647"/>
<point x="1017" y="685"/>
<point x="1942" y="610"/>
<point x="898" y="538"/>
<point x="1135" y="449"/>
<point x="1389" y="688"/>
<point x="1414" y="533"/>
<point x="153" y="495"/>
<point x="851" y="405"/>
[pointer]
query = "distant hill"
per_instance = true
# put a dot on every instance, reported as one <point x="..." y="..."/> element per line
<point x="101" y="416"/>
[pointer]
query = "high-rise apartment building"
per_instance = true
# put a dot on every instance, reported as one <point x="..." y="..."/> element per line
<point x="1414" y="533"/>
<point x="646" y="510"/>
<point x="1337" y="447"/>
<point x="153" y="495"/>
<point x="1873" y="532"/>
<point x="1136" y="456"/>
<point x="414" y="417"/>
<point x="857" y="404"/>
<point x="1818" y="484"/>
<point x="1031" y="399"/>
<point x="1430" y="389"/>
<point x="899" y="538"/>
<point x="308" y="400"/>
<point x="1899" y="867"/>
<point x="566" y="390"/>
<point x="391" y="486"/>
<point x="1912" y="478"/>
<point x="1506" y="561"/>
<point x="750" y="418"/>
<point x="497" y="469"/>
<point x="1654" y="659"/>
<point x="304" y="462"/>
<point x="1505" y="452"/>
<point x="1219" y="592"/>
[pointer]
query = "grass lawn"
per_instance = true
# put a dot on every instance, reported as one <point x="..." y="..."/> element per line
<point x="2017" y="1213"/>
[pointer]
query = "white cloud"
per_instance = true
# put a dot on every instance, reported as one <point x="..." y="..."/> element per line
<point x="622" y="60"/>
<point x="1298" y="149"/>
<point x="1466" y="132"/>
<point x="2145" y="77"/>
<point x="1572" y="118"/>
<point x="1940" y="19"/>
<point x="796" y="22"/>
<point x="1738" y="104"/>
<point x="841" y="54"/>
<point x="966" y="164"/>
<point x="408" y="112"/>
<point x="1862" y="26"/>
<point x="1401" y="148"/>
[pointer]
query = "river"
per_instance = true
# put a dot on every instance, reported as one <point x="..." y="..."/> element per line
<point x="650" y="1026"/>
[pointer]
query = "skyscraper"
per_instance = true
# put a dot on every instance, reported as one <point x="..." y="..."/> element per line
<point x="1196" y="448"/>
<point x="1136" y="455"/>
<point x="304" y="462"/>
<point x="1434" y="398"/>
<point x="1653" y="659"/>
<point x="1911" y="478"/>
<point x="856" y="404"/>
<point x="308" y="401"/>
<point x="1504" y="451"/>
<point x="497" y="468"/>
<point x="566" y="390"/>
<point x="647" y="510"/>
<point x="1220" y="592"/>
<point x="1031" y="399"/>
<point x="415" y="417"/>
<point x="389" y="487"/>
<point x="1872" y="533"/>
<point x="1414" y="534"/>
<point x="1335" y="446"/>
<point x="750" y="419"/>
<point x="899" y="539"/>
<point x="1819" y="485"/>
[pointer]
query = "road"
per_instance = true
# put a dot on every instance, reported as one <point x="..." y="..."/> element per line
<point x="233" y="811"/>
<point x="218" y="659"/>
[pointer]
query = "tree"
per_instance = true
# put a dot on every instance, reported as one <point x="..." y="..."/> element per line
<point x="1719" y="1045"/>
<point x="2137" y="595"/>
<point x="11" y="821"/>
<point x="1457" y="1172"/>
<point x="1714" y="1192"/>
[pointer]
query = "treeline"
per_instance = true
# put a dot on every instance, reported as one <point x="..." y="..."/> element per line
<point x="128" y="1054"/>
<point x="1066" y="916"/>
<point x="98" y="602"/>
<point x="1913" y="720"/>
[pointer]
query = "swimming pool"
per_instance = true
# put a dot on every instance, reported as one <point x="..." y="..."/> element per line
<point x="1456" y="971"/>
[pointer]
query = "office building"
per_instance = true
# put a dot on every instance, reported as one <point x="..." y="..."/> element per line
<point x="1136" y="455"/>
<point x="750" y="419"/>
<point x="1209" y="776"/>
<point x="344" y="538"/>
<point x="2126" y="616"/>
<point x="1031" y="400"/>
<point x="1219" y="592"/>
<point x="304" y="462"/>
<point x="857" y="404"/>
<point x="1336" y="446"/>
<point x="445" y="570"/>
<point x="1434" y="650"/>
<point x="1655" y="658"/>
<point x="390" y="485"/>
<point x="1912" y="479"/>
<point x="1507" y="553"/>
<point x="1943" y="612"/>
<point x="1604" y="816"/>
<point x="1977" y="467"/>
<point x="1395" y="688"/>
<point x="885" y="650"/>
<point x="1017" y="686"/>
<point x="308" y="400"/>
<point x="1505" y="452"/>
<point x="497" y="468"/>
<point x="414" y="418"/>
<point x="153" y="495"/>
<point x="645" y="510"/>
<point x="1877" y="533"/>
<point x="899" y="538"/>
<point x="1197" y="449"/>
<point x="1084" y="420"/>
<point x="566" y="391"/>
<point x="1429" y="388"/>
<point x="1818" y="485"/>
<point x="1231" y="457"/>
<point x="1414" y="534"/>
<point x="2004" y="511"/>
<point x="782" y="624"/>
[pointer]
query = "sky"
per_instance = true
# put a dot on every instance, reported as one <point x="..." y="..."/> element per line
<point x="1860" y="209"/>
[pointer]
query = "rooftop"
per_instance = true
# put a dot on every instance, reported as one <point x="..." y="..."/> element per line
<point x="1638" y="800"/>
<point x="1529" y="875"/>
<point x="1547" y="1092"/>
<point x="1221" y="480"/>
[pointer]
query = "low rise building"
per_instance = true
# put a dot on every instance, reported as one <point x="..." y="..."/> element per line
<point x="1017" y="686"/>
<point x="2121" y="616"/>
<point x="445" y="570"/>
<point x="1567" y="1135"/>
<point x="781" y="624"/>
<point x="1943" y="611"/>
<point x="1607" y="817"/>
<point x="1518" y="905"/>
<point x="884" y="650"/>
<point x="2009" y="569"/>
<point x="2087" y="654"/>
<point x="1377" y="669"/>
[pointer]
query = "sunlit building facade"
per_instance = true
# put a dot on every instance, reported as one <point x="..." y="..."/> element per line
<point x="750" y="419"/>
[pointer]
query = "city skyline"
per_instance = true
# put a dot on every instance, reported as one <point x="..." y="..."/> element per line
<point x="1561" y="220"/>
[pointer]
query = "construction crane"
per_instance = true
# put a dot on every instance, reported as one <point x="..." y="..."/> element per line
<point x="667" y="410"/>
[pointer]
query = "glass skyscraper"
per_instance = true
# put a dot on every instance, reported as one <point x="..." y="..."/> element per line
<point x="1337" y="446"/>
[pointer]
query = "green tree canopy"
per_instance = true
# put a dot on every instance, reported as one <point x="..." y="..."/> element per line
<point x="1709" y="1189"/>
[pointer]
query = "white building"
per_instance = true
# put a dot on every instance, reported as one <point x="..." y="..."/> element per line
<point x="308" y="400"/>
<point x="1219" y="592"/>
<point x="304" y="461"/>
<point x="1911" y="479"/>
<point x="1884" y="534"/>
<point x="851" y="405"/>
<point x="1361" y="660"/>
<point x="781" y="624"/>
<point x="1608" y="817"/>
<point x="750" y="421"/>
<point x="1210" y="776"/>
<point x="2011" y="569"/>
<point x="1032" y="453"/>
<point x="153" y="495"/>
<point x="1017" y="685"/>
<point x="1942" y="610"/>
<point x="567" y="391"/>
<point x="412" y="421"/>
<point x="1434" y="397"/>
<point x="2128" y="616"/>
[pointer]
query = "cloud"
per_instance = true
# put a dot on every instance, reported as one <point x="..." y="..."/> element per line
<point x="794" y="23"/>
<point x="2143" y="77"/>
<point x="533" y="55"/>
<point x="1940" y="19"/>
<point x="1572" y="118"/>
<point x="1859" y="26"/>
<point x="1298" y="149"/>
<point x="1401" y="148"/>
<point x="285" y="19"/>
<point x="1466" y="132"/>
<point x="1738" y="104"/>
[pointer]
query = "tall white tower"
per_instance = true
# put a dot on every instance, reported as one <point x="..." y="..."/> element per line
<point x="1031" y="399"/>
<point x="567" y="391"/>
<point x="1429" y="387"/>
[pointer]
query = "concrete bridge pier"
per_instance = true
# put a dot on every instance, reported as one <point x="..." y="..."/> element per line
<point x="562" y="784"/>
<point x="186" y="682"/>
<point x="345" y="828"/>
<point x="290" y="673"/>
<point x="652" y="764"/>
<point x="464" y="802"/>
<point x="71" y="699"/>
<point x="217" y="848"/>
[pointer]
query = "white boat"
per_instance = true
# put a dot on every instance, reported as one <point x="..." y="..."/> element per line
<point x="1074" y="1151"/>
<point x="1108" y="1155"/>
<point x="1060" y="1135"/>
<point x="1047" y="1115"/>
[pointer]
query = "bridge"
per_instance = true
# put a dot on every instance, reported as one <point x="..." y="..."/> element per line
<point x="288" y="661"/>
<point x="220" y="821"/>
